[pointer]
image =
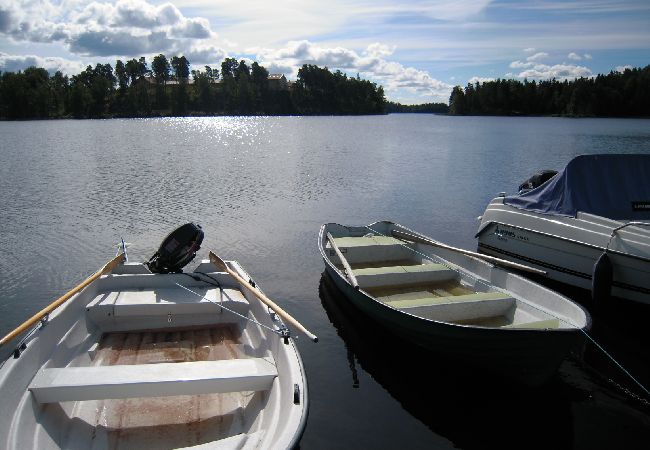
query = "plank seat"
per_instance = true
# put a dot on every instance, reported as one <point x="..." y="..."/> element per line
<point x="538" y="324"/>
<point x="402" y="275"/>
<point x="138" y="309"/>
<point x="152" y="380"/>
<point x="421" y="299"/>
<point x="365" y="241"/>
<point x="360" y="249"/>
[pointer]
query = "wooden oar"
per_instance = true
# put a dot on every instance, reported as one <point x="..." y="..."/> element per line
<point x="56" y="303"/>
<point x="414" y="238"/>
<point x="346" y="265"/>
<point x="221" y="265"/>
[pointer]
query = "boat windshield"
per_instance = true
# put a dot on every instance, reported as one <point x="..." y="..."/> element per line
<point x="612" y="186"/>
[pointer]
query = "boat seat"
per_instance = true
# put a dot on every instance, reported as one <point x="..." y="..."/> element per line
<point x="398" y="301"/>
<point x="539" y="324"/>
<point x="401" y="275"/>
<point x="166" y="307"/>
<point x="370" y="248"/>
<point x="455" y="308"/>
<point x="152" y="380"/>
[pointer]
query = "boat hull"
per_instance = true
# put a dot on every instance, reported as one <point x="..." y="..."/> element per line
<point x="529" y="356"/>
<point x="525" y="358"/>
<point x="558" y="248"/>
<point x="220" y="399"/>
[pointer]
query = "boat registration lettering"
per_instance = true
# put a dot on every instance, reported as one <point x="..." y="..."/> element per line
<point x="640" y="206"/>
<point x="503" y="234"/>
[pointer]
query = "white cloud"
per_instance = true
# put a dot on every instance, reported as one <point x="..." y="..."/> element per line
<point x="587" y="56"/>
<point x="521" y="65"/>
<point x="622" y="69"/>
<point x="557" y="71"/>
<point x="371" y="64"/>
<point x="574" y="56"/>
<point x="474" y="80"/>
<point x="14" y="63"/>
<point x="529" y="50"/>
<point x="124" y="28"/>
<point x="537" y="56"/>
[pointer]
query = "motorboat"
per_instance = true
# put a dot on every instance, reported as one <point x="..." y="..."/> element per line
<point x="142" y="355"/>
<point x="452" y="301"/>
<point x="587" y="226"/>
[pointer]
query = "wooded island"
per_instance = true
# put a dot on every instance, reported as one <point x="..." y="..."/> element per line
<point x="132" y="89"/>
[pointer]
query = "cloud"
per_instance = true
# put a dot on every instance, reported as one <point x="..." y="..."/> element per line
<point x="124" y="28"/>
<point x="521" y="65"/>
<point x="587" y="56"/>
<point x="529" y="49"/>
<point x="557" y="71"/>
<point x="537" y="56"/>
<point x="622" y="69"/>
<point x="14" y="63"/>
<point x="532" y="68"/>
<point x="474" y="80"/>
<point x="205" y="54"/>
<point x="371" y="64"/>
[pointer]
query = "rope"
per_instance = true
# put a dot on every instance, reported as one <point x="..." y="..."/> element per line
<point x="279" y="333"/>
<point x="616" y="362"/>
<point x="446" y="264"/>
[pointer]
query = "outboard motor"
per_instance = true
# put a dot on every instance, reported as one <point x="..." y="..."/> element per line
<point x="536" y="180"/>
<point x="601" y="280"/>
<point x="177" y="249"/>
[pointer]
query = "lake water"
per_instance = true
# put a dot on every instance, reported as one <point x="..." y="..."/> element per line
<point x="261" y="187"/>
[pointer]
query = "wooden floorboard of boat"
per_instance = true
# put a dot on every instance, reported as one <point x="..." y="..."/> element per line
<point x="164" y="422"/>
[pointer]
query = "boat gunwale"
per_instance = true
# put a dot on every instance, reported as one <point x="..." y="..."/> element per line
<point x="486" y="225"/>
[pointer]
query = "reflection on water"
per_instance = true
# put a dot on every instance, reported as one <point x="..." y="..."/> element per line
<point x="474" y="410"/>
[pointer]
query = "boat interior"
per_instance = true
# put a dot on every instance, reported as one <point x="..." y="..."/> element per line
<point x="409" y="277"/>
<point x="149" y="364"/>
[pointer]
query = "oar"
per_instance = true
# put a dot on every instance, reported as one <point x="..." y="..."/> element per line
<point x="221" y="265"/>
<point x="56" y="303"/>
<point x="492" y="259"/>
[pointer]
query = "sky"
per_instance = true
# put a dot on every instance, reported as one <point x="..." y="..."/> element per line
<point x="418" y="50"/>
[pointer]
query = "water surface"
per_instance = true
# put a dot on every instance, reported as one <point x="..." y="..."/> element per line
<point x="261" y="187"/>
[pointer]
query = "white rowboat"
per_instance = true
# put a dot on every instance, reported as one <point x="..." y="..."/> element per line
<point x="143" y="360"/>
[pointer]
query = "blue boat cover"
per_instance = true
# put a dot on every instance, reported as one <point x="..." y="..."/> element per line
<point x="612" y="186"/>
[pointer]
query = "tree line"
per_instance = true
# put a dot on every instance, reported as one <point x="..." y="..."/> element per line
<point x="424" y="108"/>
<point x="133" y="89"/>
<point x="617" y="94"/>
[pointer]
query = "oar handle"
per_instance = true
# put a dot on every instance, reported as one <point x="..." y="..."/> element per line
<point x="221" y="264"/>
<point x="415" y="238"/>
<point x="59" y="301"/>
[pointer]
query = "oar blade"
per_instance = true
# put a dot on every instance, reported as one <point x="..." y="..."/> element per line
<point x="217" y="261"/>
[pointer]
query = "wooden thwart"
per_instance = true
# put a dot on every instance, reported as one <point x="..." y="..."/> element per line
<point x="346" y="265"/>
<point x="152" y="380"/>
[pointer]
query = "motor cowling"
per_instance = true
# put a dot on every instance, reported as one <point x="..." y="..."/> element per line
<point x="177" y="249"/>
<point x="536" y="180"/>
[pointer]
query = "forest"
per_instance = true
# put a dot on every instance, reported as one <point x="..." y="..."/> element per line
<point x="424" y="108"/>
<point x="618" y="94"/>
<point x="135" y="89"/>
